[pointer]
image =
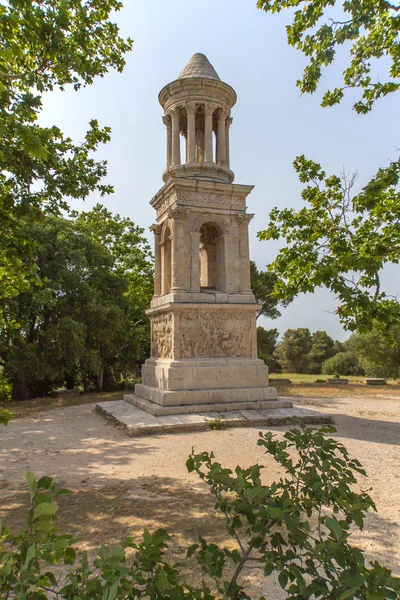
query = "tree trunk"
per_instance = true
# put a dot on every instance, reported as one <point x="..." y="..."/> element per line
<point x="19" y="389"/>
<point x="69" y="382"/>
<point x="85" y="385"/>
<point x="99" y="381"/>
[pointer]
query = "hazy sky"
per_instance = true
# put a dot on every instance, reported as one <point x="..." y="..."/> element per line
<point x="272" y="123"/>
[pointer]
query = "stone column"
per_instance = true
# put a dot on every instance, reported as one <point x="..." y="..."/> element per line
<point x="178" y="216"/>
<point x="156" y="229"/>
<point x="244" y="255"/>
<point x="195" y="261"/>
<point x="191" y="132"/>
<point x="221" y="138"/>
<point x="176" y="146"/>
<point x="228" y="152"/>
<point x="168" y="124"/>
<point x="208" y="131"/>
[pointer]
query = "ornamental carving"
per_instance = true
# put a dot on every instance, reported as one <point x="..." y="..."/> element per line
<point x="178" y="212"/>
<point x="215" y="335"/>
<point x="165" y="204"/>
<point x="244" y="218"/>
<point x="210" y="198"/>
<point x="161" y="336"/>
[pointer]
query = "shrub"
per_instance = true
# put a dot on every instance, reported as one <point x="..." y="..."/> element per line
<point x="298" y="526"/>
<point x="343" y="363"/>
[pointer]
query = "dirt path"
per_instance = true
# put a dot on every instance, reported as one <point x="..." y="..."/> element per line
<point x="123" y="484"/>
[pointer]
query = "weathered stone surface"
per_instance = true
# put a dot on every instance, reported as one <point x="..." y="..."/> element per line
<point x="203" y="313"/>
<point x="338" y="381"/>
<point x="158" y="410"/>
<point x="137" y="422"/>
<point x="375" y="381"/>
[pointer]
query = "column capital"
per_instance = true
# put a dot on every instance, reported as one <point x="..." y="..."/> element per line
<point x="209" y="109"/>
<point x="174" y="111"/>
<point x="167" y="119"/>
<point x="191" y="108"/>
<point x="243" y="218"/>
<point x="229" y="122"/>
<point x="222" y="114"/>
<point x="178" y="213"/>
<point x="156" y="229"/>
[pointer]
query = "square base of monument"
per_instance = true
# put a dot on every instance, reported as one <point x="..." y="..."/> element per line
<point x="216" y="407"/>
<point x="205" y="374"/>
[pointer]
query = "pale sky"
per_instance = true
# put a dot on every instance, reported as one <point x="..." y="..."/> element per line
<point x="272" y="122"/>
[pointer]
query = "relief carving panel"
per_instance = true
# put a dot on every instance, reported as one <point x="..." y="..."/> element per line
<point x="211" y="198"/>
<point x="215" y="335"/>
<point x="161" y="336"/>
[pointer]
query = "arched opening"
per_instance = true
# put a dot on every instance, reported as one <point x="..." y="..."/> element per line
<point x="166" y="258"/>
<point x="210" y="257"/>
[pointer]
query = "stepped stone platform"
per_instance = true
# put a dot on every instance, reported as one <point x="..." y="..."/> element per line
<point x="136" y="421"/>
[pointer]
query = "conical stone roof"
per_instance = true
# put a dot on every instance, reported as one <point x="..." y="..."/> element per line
<point x="199" y="66"/>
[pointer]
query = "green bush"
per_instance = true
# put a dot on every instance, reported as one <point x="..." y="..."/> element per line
<point x="343" y="363"/>
<point x="299" y="527"/>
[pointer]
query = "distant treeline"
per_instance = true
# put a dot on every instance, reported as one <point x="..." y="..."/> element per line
<point x="375" y="353"/>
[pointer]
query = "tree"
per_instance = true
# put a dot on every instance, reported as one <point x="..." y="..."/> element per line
<point x="293" y="350"/>
<point x="323" y="347"/>
<point x="85" y="320"/>
<point x="343" y="363"/>
<point x="378" y="351"/>
<point x="340" y="241"/>
<point x="262" y="285"/>
<point x="370" y="30"/>
<point x="267" y="340"/>
<point x="45" y="45"/>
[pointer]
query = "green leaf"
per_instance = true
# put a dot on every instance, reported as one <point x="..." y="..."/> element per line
<point x="69" y="556"/>
<point x="30" y="478"/>
<point x="30" y="554"/>
<point x="335" y="528"/>
<point x="348" y="593"/>
<point x="46" y="509"/>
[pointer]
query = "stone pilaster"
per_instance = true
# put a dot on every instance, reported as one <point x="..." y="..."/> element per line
<point x="231" y="256"/>
<point x="178" y="216"/>
<point x="194" y="261"/>
<point x="156" y="229"/>
<point x="243" y="221"/>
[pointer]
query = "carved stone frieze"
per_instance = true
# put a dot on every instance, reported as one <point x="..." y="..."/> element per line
<point x="211" y="198"/>
<point x="215" y="335"/>
<point x="165" y="204"/>
<point x="161" y="336"/>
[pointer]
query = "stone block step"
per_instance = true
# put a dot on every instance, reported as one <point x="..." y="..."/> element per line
<point x="139" y="422"/>
<point x="159" y="411"/>
<point x="168" y="398"/>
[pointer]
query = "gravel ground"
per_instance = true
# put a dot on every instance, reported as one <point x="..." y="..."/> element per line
<point x="122" y="484"/>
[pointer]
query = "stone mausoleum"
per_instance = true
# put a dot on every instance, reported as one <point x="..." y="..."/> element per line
<point x="203" y="313"/>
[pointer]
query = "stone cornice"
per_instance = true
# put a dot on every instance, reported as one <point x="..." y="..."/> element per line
<point x="198" y="89"/>
<point x="201" y="193"/>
